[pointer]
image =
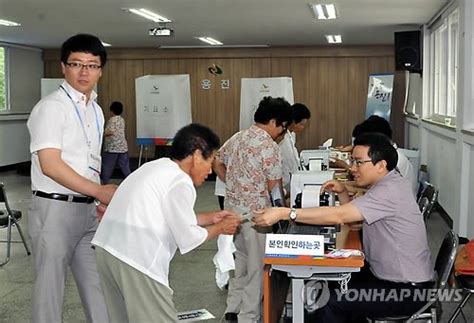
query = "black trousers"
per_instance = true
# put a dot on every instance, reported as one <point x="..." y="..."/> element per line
<point x="369" y="296"/>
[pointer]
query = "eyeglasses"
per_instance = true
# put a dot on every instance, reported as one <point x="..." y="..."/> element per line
<point x="359" y="162"/>
<point x="79" y="66"/>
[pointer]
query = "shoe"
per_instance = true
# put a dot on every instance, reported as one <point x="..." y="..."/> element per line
<point x="230" y="317"/>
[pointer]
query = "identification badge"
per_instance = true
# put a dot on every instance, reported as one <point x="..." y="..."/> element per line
<point x="94" y="162"/>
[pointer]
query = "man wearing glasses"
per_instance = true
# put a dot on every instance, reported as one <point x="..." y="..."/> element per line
<point x="66" y="130"/>
<point x="398" y="259"/>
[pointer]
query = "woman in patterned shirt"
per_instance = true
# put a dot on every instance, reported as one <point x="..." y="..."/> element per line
<point x="115" y="144"/>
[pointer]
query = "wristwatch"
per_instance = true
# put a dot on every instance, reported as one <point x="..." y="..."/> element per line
<point x="292" y="214"/>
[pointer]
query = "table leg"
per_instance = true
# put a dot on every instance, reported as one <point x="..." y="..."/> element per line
<point x="140" y="156"/>
<point x="298" y="307"/>
<point x="267" y="292"/>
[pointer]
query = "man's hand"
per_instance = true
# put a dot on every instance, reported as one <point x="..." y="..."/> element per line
<point x="105" y="193"/>
<point x="270" y="216"/>
<point x="100" y="211"/>
<point x="339" y="163"/>
<point x="334" y="187"/>
<point x="229" y="224"/>
<point x="219" y="216"/>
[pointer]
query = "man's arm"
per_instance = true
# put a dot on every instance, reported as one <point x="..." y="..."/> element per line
<point x="208" y="218"/>
<point x="346" y="213"/>
<point x="221" y="222"/>
<point x="226" y="226"/>
<point x="55" y="168"/>
<point x="339" y="188"/>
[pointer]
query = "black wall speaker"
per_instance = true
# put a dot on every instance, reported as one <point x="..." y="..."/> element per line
<point x="408" y="51"/>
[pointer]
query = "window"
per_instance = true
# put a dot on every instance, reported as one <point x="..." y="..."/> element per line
<point x="3" y="80"/>
<point x="443" y="69"/>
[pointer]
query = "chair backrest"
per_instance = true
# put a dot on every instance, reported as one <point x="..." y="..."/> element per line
<point x="3" y="197"/>
<point x="445" y="258"/>
<point x="429" y="193"/>
<point x="424" y="205"/>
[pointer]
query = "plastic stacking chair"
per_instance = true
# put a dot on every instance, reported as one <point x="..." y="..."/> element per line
<point x="427" y="200"/>
<point x="443" y="266"/>
<point x="464" y="279"/>
<point x="9" y="218"/>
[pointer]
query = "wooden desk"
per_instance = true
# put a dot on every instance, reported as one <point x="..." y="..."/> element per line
<point x="462" y="266"/>
<point x="276" y="271"/>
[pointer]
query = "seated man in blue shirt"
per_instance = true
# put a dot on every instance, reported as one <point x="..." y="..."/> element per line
<point x="394" y="241"/>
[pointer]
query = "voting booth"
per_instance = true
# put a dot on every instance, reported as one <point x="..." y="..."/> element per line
<point x="163" y="107"/>
<point x="253" y="90"/>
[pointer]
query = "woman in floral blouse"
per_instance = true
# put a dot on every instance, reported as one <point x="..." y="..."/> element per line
<point x="115" y="144"/>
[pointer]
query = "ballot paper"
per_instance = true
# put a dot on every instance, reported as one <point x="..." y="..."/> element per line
<point x="344" y="253"/>
<point x="245" y="217"/>
<point x="310" y="196"/>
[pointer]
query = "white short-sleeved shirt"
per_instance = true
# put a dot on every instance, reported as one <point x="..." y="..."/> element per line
<point x="54" y="123"/>
<point x="219" y="189"/>
<point x="394" y="232"/>
<point x="407" y="170"/>
<point x="149" y="217"/>
<point x="289" y="157"/>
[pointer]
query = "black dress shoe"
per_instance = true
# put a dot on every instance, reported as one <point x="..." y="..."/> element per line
<point x="230" y="317"/>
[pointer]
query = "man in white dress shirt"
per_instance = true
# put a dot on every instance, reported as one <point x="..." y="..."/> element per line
<point x="66" y="130"/>
<point x="150" y="216"/>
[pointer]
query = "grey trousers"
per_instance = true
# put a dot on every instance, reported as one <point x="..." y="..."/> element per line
<point x="61" y="233"/>
<point x="132" y="296"/>
<point x="246" y="287"/>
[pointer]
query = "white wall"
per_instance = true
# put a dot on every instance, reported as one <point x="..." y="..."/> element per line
<point x="14" y="140"/>
<point x="449" y="151"/>
<point x="25" y="67"/>
<point x="468" y="197"/>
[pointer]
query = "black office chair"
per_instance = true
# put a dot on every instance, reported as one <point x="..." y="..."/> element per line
<point x="428" y="198"/>
<point x="443" y="266"/>
<point x="8" y="218"/>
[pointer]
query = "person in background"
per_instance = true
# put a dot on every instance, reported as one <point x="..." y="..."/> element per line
<point x="115" y="144"/>
<point x="250" y="165"/>
<point x="289" y="153"/>
<point x="395" y="244"/>
<point x="378" y="124"/>
<point x="66" y="130"/>
<point x="150" y="216"/>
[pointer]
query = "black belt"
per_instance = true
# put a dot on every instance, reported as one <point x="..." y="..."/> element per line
<point x="65" y="197"/>
<point x="423" y="284"/>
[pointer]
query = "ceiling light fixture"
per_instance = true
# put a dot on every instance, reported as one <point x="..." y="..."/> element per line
<point x="8" y="23"/>
<point x="334" y="39"/>
<point x="148" y="15"/>
<point x="323" y="11"/>
<point x="210" y="41"/>
<point x="207" y="46"/>
<point x="160" y="31"/>
<point x="105" y="44"/>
